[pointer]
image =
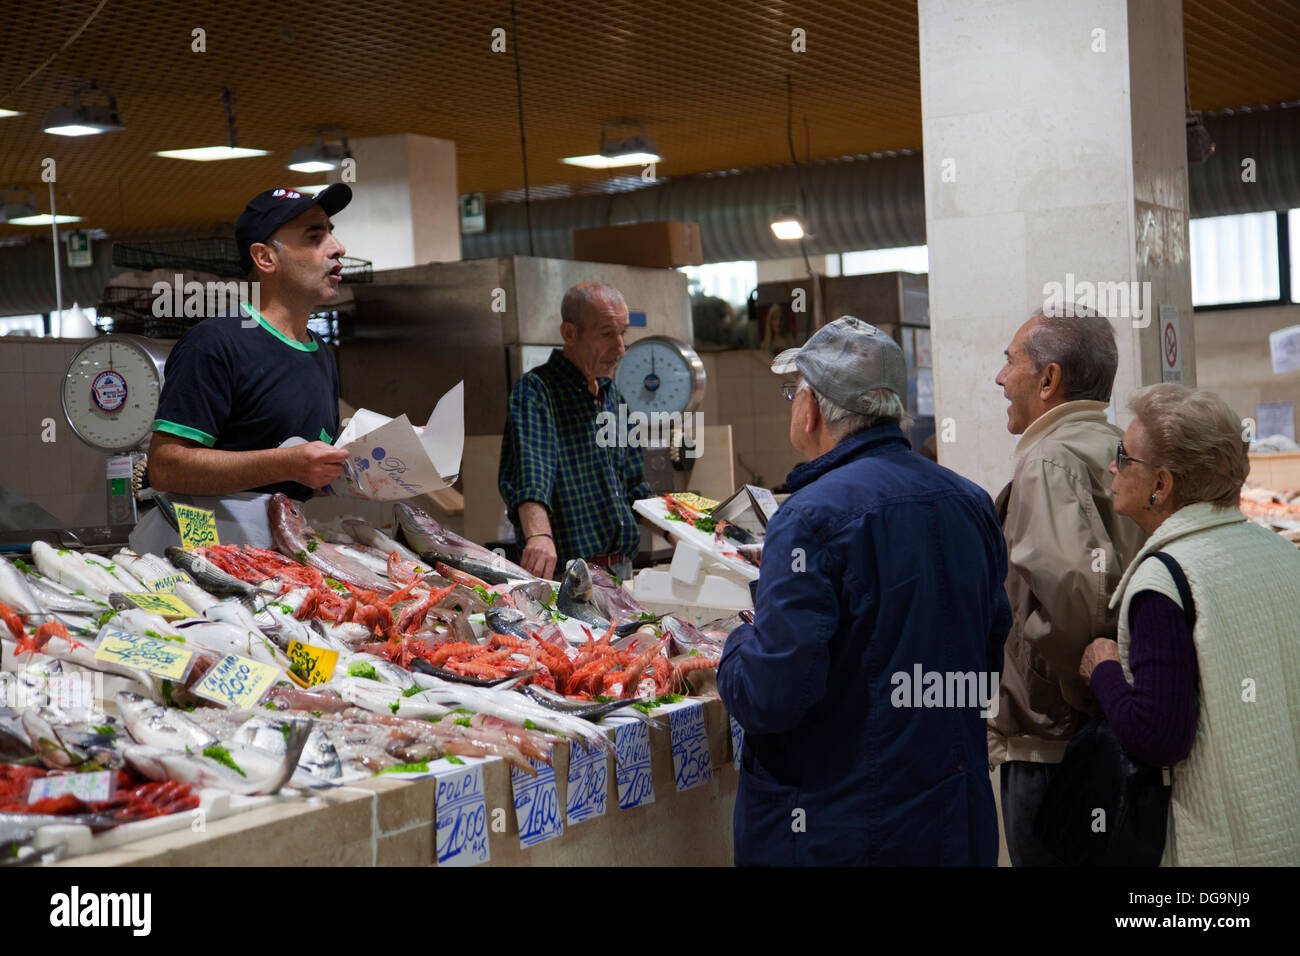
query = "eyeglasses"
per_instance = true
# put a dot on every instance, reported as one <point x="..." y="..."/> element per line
<point x="1122" y="457"/>
<point x="790" y="390"/>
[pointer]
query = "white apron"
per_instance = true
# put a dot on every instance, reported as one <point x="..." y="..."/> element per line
<point x="241" y="519"/>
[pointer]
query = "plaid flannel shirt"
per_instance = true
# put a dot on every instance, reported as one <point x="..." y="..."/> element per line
<point x="549" y="455"/>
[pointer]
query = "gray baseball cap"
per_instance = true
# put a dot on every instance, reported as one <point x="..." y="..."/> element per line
<point x="846" y="360"/>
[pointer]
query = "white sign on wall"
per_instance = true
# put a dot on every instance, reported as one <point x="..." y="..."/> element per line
<point x="1171" y="345"/>
<point x="1284" y="347"/>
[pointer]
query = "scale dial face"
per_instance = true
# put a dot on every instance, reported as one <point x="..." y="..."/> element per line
<point x="110" y="391"/>
<point x="660" y="374"/>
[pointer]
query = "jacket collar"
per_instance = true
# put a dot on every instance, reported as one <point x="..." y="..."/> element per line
<point x="571" y="374"/>
<point x="1082" y="410"/>
<point x="1187" y="520"/>
<point x="857" y="444"/>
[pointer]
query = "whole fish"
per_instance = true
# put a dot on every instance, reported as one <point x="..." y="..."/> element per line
<point x="576" y="600"/>
<point x="688" y="638"/>
<point x="420" y="666"/>
<point x="58" y="565"/>
<point x="435" y="543"/>
<point x="153" y="725"/>
<point x="55" y="597"/>
<point x="507" y="620"/>
<point x="16" y="590"/>
<point x="150" y="567"/>
<point x="586" y="709"/>
<point x="532" y="600"/>
<point x="293" y="538"/>
<point x="370" y="535"/>
<point x="215" y="581"/>
<point x="158" y="763"/>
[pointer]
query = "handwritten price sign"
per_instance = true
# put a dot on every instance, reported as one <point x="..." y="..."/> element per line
<point x="692" y="762"/>
<point x="167" y="606"/>
<point x="537" y="805"/>
<point x="588" y="784"/>
<point x="461" y="812"/>
<point x="737" y="741"/>
<point x="312" y="665"/>
<point x="237" y="682"/>
<point x="198" y="527"/>
<point x="632" y="753"/>
<point x="90" y="787"/>
<point x="168" y="584"/>
<point x="143" y="653"/>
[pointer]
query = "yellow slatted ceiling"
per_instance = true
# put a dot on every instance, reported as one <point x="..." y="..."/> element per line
<point x="706" y="78"/>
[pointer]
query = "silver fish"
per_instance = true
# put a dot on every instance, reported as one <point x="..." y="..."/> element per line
<point x="153" y="725"/>
<point x="370" y="535"/>
<point x="212" y="579"/>
<point x="293" y="537"/>
<point x="435" y="543"/>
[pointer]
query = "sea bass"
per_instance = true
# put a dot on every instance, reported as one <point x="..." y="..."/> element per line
<point x="293" y="538"/>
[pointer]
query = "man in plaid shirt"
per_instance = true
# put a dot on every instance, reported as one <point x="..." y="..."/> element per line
<point x="568" y="496"/>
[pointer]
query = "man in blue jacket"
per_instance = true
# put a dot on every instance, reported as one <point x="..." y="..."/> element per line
<point x="864" y="682"/>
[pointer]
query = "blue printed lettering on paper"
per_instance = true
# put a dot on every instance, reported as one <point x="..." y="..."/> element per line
<point x="461" y="812"/>
<point x="537" y="804"/>
<point x="377" y="454"/>
<point x="588" y="784"/>
<point x="737" y="742"/>
<point x="691" y="760"/>
<point x="632" y="754"/>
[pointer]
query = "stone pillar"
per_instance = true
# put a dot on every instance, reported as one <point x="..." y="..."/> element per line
<point x="1055" y="158"/>
<point x="405" y="208"/>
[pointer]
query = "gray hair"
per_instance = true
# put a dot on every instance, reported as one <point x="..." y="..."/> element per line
<point x="1197" y="436"/>
<point x="883" y="404"/>
<point x="579" y="300"/>
<point x="1082" y="343"/>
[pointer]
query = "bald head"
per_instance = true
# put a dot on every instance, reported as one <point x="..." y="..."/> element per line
<point x="594" y="321"/>
<point x="587" y="300"/>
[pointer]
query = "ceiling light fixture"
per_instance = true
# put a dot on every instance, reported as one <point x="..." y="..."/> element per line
<point x="5" y="114"/>
<point x="636" y="150"/>
<point x="788" y="224"/>
<point x="207" y="154"/>
<point x="79" y="120"/>
<point x="22" y="212"/>
<point x="321" y="156"/>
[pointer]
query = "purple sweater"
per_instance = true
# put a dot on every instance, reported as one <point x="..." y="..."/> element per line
<point x="1155" y="719"/>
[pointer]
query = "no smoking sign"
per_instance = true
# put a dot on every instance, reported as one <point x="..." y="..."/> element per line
<point x="1171" y="352"/>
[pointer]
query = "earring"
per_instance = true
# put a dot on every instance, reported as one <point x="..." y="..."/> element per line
<point x="1152" y="500"/>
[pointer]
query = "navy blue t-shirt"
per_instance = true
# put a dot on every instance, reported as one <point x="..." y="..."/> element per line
<point x="241" y="385"/>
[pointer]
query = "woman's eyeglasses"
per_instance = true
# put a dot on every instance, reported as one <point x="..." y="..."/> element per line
<point x="790" y="390"/>
<point x="1122" y="457"/>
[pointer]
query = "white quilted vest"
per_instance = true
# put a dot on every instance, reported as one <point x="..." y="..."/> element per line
<point x="1236" y="798"/>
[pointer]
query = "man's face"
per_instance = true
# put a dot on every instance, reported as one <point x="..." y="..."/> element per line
<point x="802" y="408"/>
<point x="1021" y="384"/>
<point x="307" y="260"/>
<point x="598" y="344"/>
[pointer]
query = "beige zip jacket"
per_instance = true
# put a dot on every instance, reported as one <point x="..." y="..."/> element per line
<point x="1066" y="551"/>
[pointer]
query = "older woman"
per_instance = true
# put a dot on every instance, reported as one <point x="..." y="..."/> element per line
<point x="1234" y="746"/>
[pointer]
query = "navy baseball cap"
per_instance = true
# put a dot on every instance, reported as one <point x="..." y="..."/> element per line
<point x="268" y="211"/>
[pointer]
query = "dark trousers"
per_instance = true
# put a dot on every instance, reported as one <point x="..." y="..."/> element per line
<point x="1023" y="787"/>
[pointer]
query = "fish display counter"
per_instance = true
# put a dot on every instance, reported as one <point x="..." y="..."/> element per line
<point x="349" y="697"/>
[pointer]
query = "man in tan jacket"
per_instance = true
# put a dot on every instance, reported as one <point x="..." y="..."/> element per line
<point x="1067" y="550"/>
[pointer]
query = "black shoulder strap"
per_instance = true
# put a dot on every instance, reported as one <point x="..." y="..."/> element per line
<point x="1180" y="581"/>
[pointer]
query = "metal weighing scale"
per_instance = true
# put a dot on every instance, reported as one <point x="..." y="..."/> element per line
<point x="110" y="398"/>
<point x="659" y="374"/>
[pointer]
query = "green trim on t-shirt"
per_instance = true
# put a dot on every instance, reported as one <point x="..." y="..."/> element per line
<point x="183" y="431"/>
<point x="325" y="437"/>
<point x="300" y="346"/>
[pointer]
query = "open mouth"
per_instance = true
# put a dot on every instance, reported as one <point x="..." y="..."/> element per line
<point x="336" y="272"/>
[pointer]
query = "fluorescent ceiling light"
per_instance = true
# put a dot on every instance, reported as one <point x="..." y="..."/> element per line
<point x="597" y="161"/>
<point x="207" y="154"/>
<point x="4" y="114"/>
<point x="319" y="157"/>
<point x="78" y="120"/>
<point x="787" y="225"/>
<point x="42" y="219"/>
